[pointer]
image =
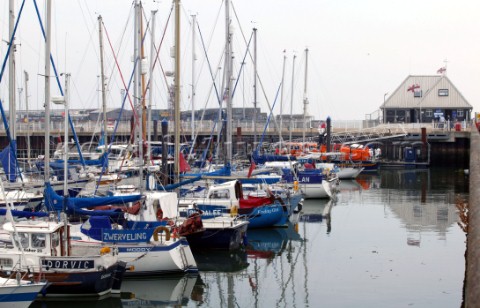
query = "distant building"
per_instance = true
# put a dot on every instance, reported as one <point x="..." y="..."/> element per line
<point x="426" y="99"/>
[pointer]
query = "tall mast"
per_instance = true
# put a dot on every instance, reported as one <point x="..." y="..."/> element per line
<point x="150" y="89"/>
<point x="28" y="118"/>
<point x="291" y="102"/>
<point x="137" y="93"/>
<point x="194" y="21"/>
<point x="66" y="99"/>
<point x="11" y="73"/>
<point x="280" y="138"/>
<point x="177" y="91"/>
<point x="305" y="98"/>
<point x="228" y="80"/>
<point x="255" y="86"/>
<point x="143" y="84"/>
<point x="102" y="78"/>
<point x="47" y="90"/>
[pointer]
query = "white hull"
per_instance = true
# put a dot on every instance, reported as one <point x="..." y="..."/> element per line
<point x="349" y="172"/>
<point x="143" y="259"/>
<point x="18" y="294"/>
<point x="318" y="191"/>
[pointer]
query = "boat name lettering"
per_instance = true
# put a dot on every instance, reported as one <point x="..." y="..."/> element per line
<point x="68" y="264"/>
<point x="207" y="212"/>
<point x="125" y="236"/>
<point x="107" y="275"/>
<point x="32" y="250"/>
<point x="139" y="249"/>
<point x="305" y="179"/>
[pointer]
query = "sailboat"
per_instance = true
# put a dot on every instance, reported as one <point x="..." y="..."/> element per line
<point x="267" y="210"/>
<point x="144" y="241"/>
<point x="41" y="248"/>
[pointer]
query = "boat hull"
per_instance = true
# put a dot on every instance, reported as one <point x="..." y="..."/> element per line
<point x="273" y="215"/>
<point x="147" y="259"/>
<point x="76" y="283"/>
<point x="153" y="260"/>
<point x="219" y="235"/>
<point x="20" y="295"/>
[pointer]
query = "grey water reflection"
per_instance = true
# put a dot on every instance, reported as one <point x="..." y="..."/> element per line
<point x="390" y="239"/>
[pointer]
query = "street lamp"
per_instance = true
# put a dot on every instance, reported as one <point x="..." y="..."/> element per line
<point x="384" y="110"/>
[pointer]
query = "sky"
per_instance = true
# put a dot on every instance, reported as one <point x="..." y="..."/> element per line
<point x="358" y="51"/>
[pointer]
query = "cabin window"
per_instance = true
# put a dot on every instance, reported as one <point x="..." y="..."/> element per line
<point x="21" y="240"/>
<point x="442" y="92"/>
<point x="6" y="262"/>
<point x="38" y="240"/>
<point x="220" y="194"/>
<point x="55" y="239"/>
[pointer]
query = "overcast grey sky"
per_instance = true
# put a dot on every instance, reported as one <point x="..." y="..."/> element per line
<point x="358" y="50"/>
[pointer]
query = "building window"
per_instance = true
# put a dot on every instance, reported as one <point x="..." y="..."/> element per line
<point x="442" y="92"/>
<point x="417" y="93"/>
<point x="460" y="113"/>
<point x="429" y="113"/>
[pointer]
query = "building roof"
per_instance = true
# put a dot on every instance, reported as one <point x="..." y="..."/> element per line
<point x="403" y="96"/>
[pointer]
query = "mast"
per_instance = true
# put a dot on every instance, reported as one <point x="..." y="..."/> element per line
<point x="102" y="77"/>
<point x="65" y="162"/>
<point x="228" y="80"/>
<point x="11" y="72"/>
<point x="150" y="89"/>
<point x="280" y="139"/>
<point x="255" y="86"/>
<point x="291" y="103"/>
<point x="177" y="91"/>
<point x="137" y="93"/>
<point x="194" y="21"/>
<point x="47" y="89"/>
<point x="28" y="119"/>
<point x="305" y="98"/>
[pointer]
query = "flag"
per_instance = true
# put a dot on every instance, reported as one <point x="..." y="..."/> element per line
<point x="184" y="166"/>
<point x="441" y="70"/>
<point x="252" y="167"/>
<point x="413" y="87"/>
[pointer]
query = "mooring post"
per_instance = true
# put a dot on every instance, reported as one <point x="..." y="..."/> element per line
<point x="472" y="287"/>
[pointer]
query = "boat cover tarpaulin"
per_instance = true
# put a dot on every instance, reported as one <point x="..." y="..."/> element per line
<point x="9" y="162"/>
<point x="53" y="201"/>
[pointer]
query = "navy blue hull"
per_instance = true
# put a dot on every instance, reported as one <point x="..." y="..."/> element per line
<point x="81" y="283"/>
<point x="218" y="238"/>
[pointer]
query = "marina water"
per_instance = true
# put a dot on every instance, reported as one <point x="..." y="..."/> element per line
<point x="390" y="239"/>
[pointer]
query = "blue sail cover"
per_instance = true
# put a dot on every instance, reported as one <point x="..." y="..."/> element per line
<point x="262" y="158"/>
<point x="9" y="161"/>
<point x="24" y="214"/>
<point x="53" y="201"/>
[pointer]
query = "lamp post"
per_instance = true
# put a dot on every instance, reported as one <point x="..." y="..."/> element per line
<point x="420" y="112"/>
<point x="384" y="110"/>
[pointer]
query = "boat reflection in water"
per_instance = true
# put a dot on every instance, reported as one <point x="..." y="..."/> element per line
<point x="226" y="261"/>
<point x="316" y="212"/>
<point x="171" y="291"/>
<point x="80" y="302"/>
<point x="271" y="242"/>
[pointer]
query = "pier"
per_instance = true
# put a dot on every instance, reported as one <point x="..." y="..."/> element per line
<point x="448" y="142"/>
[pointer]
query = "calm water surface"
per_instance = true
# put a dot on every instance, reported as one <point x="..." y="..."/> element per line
<point x="390" y="239"/>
